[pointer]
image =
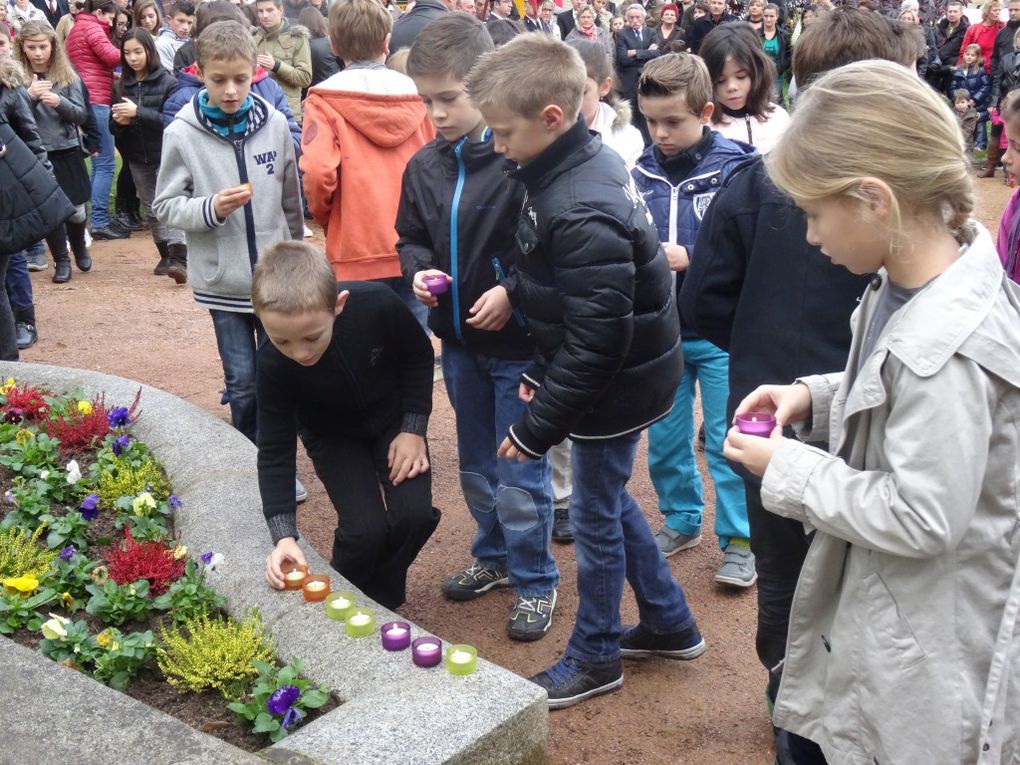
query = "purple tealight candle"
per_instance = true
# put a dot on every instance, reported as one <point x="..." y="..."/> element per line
<point x="427" y="651"/>
<point x="396" y="636"/>
<point x="437" y="284"/>
<point x="756" y="424"/>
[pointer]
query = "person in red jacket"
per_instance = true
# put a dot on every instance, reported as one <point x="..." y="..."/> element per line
<point x="984" y="32"/>
<point x="95" y="58"/>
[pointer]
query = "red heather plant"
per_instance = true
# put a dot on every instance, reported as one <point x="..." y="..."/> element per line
<point x="154" y="561"/>
<point x="26" y="403"/>
<point x="79" y="432"/>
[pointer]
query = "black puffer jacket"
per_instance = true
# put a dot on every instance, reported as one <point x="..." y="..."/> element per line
<point x="949" y="42"/>
<point x="16" y="109"/>
<point x="596" y="289"/>
<point x="141" y="141"/>
<point x="484" y="226"/>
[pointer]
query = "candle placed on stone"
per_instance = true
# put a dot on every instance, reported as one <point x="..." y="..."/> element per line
<point x="461" y="659"/>
<point x="294" y="575"/>
<point x="315" y="588"/>
<point x="427" y="651"/>
<point x="339" y="605"/>
<point x="360" y="622"/>
<point x="437" y="284"/>
<point x="396" y="636"/>
<point x="756" y="424"/>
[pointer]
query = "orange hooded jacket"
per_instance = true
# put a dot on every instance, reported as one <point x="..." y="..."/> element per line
<point x="360" y="129"/>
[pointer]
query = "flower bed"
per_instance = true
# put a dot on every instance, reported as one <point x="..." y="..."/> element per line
<point x="93" y="578"/>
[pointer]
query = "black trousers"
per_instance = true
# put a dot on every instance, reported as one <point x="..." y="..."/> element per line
<point x="8" y="338"/>
<point x="381" y="527"/>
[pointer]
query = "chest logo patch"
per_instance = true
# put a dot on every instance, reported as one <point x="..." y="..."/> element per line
<point x="701" y="203"/>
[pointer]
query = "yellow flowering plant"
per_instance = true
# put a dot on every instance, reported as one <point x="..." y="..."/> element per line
<point x="22" y="555"/>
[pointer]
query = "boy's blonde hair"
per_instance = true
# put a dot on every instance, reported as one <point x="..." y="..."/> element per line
<point x="358" y="29"/>
<point x="291" y="278"/>
<point x="225" y="41"/>
<point x="498" y="80"/>
<point x="677" y="74"/>
<point x="922" y="160"/>
<point x="59" y="72"/>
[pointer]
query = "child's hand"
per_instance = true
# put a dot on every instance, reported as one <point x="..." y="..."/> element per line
<point x="525" y="393"/>
<point x="492" y="310"/>
<point x="286" y="550"/>
<point x="508" y="451"/>
<point x="677" y="257"/>
<point x="127" y="108"/>
<point x="407" y="457"/>
<point x="421" y="291"/>
<point x="231" y="199"/>
<point x="266" y="61"/>
<point x="753" y="452"/>
<point x="50" y="99"/>
<point x="789" y="403"/>
<point x="39" y="87"/>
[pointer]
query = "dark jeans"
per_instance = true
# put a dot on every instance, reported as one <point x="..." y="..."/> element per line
<point x="612" y="543"/>
<point x="238" y="336"/>
<point x="19" y="287"/>
<point x="8" y="339"/>
<point x="378" y="535"/>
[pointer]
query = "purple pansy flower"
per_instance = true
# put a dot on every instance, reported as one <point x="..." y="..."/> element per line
<point x="282" y="699"/>
<point x="118" y="417"/>
<point x="206" y="557"/>
<point x="9" y="497"/>
<point x="290" y="717"/>
<point x="120" y="444"/>
<point x="13" y="415"/>
<point x="175" y="503"/>
<point x="89" y="507"/>
<point x="67" y="553"/>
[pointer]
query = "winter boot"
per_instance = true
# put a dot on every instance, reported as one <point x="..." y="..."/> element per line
<point x="123" y="217"/>
<point x="994" y="154"/>
<point x="163" y="267"/>
<point x="178" y="270"/>
<point x="61" y="268"/>
<point x="76" y="238"/>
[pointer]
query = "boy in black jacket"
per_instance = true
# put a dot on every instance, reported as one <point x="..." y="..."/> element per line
<point x="456" y="224"/>
<point x="595" y="287"/>
<point x="352" y="374"/>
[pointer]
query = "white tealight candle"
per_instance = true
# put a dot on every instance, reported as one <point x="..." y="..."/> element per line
<point x="315" y="586"/>
<point x="360" y="620"/>
<point x="427" y="647"/>
<point x="340" y="603"/>
<point x="460" y="657"/>
<point x="396" y="632"/>
<point x="295" y="576"/>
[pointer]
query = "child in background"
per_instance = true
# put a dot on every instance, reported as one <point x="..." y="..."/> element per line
<point x="966" y="116"/>
<point x="58" y="105"/>
<point x="148" y="16"/>
<point x="677" y="177"/>
<point x="137" y="124"/>
<point x="228" y="178"/>
<point x="911" y="585"/>
<point x="604" y="111"/>
<point x="362" y="125"/>
<point x="595" y="287"/>
<point x="1008" y="241"/>
<point x="486" y="347"/>
<point x="176" y="33"/>
<point x="972" y="76"/>
<point x="743" y="77"/>
<point x="352" y="375"/>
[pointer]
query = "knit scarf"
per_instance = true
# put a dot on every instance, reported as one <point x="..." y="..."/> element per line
<point x="592" y="34"/>
<point x="221" y="121"/>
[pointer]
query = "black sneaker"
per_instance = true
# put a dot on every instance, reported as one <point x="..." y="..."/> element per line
<point x="531" y="617"/>
<point x="570" y="681"/>
<point x="473" y="581"/>
<point x="561" y="531"/>
<point x="36" y="261"/>
<point x="639" y="643"/>
<point x="109" y="233"/>
<point x="26" y="335"/>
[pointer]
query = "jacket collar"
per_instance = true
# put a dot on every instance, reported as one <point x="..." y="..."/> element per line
<point x="572" y="148"/>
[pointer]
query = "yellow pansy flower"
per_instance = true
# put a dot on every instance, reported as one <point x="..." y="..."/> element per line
<point x="85" y="408"/>
<point x="23" y="437"/>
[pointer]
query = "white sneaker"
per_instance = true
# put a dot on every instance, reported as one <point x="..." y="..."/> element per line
<point x="88" y="239"/>
<point x="308" y="233"/>
<point x="300" y="492"/>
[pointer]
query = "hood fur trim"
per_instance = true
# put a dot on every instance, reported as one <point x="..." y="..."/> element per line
<point x="623" y="113"/>
<point x="12" y="75"/>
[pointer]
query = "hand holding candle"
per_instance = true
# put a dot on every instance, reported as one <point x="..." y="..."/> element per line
<point x="294" y="575"/>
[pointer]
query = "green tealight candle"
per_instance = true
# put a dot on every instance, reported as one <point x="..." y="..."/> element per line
<point x="461" y="659"/>
<point x="360" y="622"/>
<point x="339" y="605"/>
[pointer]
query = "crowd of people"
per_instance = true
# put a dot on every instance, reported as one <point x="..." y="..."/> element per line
<point x="594" y="247"/>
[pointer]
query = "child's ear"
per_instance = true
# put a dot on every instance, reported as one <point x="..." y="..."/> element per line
<point x="706" y="113"/>
<point x="605" y="87"/>
<point x="553" y="117"/>
<point x="876" y="196"/>
<point x="198" y="72"/>
<point x="341" y="301"/>
<point x="386" y="45"/>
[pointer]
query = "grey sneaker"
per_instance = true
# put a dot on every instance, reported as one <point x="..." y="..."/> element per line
<point x="671" y="542"/>
<point x="531" y="617"/>
<point x="36" y="261"/>
<point x="300" y="492"/>
<point x="737" y="568"/>
<point x="473" y="581"/>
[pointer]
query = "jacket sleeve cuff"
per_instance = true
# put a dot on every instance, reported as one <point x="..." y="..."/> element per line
<point x="209" y="216"/>
<point x="822" y="388"/>
<point x="533" y="376"/>
<point x="416" y="424"/>
<point x="786" y="479"/>
<point x="516" y="434"/>
<point x="282" y="526"/>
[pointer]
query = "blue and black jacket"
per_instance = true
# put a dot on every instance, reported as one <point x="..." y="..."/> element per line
<point x="458" y="212"/>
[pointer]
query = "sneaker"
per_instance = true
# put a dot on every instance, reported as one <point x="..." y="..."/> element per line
<point x="88" y="238"/>
<point x="561" y="530"/>
<point x="640" y="643"/>
<point x="531" y="617"/>
<point x="737" y="568"/>
<point x="570" y="681"/>
<point x="109" y="233"/>
<point x="26" y="335"/>
<point x="473" y="581"/>
<point x="308" y="233"/>
<point x="671" y="542"/>
<point x="300" y="492"/>
<point x="36" y="261"/>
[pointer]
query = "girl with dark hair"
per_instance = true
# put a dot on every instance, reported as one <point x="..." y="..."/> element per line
<point x="137" y="123"/>
<point x="742" y="76"/>
<point x="324" y="61"/>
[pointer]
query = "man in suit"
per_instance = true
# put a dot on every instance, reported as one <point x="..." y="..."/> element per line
<point x="635" y="46"/>
<point x="568" y="19"/>
<point x="54" y="10"/>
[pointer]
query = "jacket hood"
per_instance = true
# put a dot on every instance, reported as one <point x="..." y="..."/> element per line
<point x="90" y="18"/>
<point x="621" y="111"/>
<point x="387" y="116"/>
<point x="189" y="76"/>
<point x="168" y="32"/>
<point x="12" y="75"/>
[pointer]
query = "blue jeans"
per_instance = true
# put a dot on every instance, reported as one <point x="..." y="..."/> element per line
<point x="238" y="336"/>
<point x="103" y="166"/>
<point x="510" y="501"/>
<point x="18" y="282"/>
<point x="671" y="462"/>
<point x="612" y="541"/>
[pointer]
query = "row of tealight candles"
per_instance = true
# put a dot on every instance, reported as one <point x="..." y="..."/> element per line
<point x="360" y="622"/>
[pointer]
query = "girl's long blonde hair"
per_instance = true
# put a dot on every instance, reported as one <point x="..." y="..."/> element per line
<point x="876" y="119"/>
<point x="59" y="72"/>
